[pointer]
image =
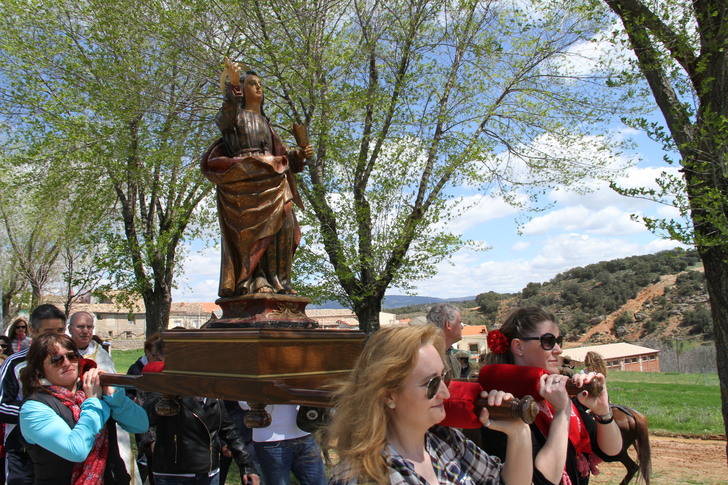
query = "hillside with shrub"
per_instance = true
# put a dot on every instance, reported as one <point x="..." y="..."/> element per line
<point x="653" y="296"/>
<point x="638" y="298"/>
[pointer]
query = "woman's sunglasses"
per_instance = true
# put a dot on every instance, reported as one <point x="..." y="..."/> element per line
<point x="57" y="360"/>
<point x="548" y="340"/>
<point x="433" y="385"/>
<point x="21" y="327"/>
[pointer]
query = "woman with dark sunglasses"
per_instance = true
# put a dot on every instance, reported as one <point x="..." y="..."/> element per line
<point x="569" y="437"/>
<point x="69" y="422"/>
<point x="384" y="426"/>
<point x="18" y="333"/>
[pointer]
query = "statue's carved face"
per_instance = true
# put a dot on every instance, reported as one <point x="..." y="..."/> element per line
<point x="252" y="89"/>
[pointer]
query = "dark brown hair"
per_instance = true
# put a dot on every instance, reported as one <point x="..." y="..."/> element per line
<point x="521" y="322"/>
<point x="42" y="346"/>
<point x="12" y="330"/>
<point x="154" y="345"/>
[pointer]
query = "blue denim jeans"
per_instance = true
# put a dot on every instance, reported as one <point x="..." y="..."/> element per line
<point x="302" y="456"/>
<point x="199" y="479"/>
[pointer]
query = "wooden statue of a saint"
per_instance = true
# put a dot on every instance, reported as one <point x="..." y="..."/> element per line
<point x="256" y="190"/>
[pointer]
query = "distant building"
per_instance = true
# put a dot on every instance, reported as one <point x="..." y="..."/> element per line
<point x="474" y="340"/>
<point x="620" y="356"/>
<point x="345" y="318"/>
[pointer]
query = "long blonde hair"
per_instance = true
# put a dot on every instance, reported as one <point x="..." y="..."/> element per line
<point x="358" y="430"/>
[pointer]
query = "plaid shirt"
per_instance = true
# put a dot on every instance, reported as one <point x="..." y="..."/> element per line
<point x="456" y="460"/>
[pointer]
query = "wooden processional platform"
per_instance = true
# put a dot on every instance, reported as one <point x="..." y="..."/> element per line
<point x="263" y="349"/>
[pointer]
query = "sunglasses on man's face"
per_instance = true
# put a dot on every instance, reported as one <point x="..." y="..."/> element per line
<point x="548" y="340"/>
<point x="57" y="360"/>
<point x="433" y="385"/>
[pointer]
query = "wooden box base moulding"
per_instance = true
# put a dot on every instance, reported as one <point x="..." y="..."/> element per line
<point x="271" y="365"/>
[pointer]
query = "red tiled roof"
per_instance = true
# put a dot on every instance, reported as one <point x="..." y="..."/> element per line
<point x="474" y="329"/>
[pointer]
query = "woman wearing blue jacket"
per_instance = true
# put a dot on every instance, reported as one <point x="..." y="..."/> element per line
<point x="68" y="422"/>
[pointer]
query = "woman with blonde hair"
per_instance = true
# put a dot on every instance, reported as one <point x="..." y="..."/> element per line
<point x="384" y="426"/>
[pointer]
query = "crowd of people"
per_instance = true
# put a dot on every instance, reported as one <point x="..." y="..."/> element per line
<point x="60" y="425"/>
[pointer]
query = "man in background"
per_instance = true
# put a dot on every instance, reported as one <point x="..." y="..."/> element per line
<point x="81" y="329"/>
<point x="447" y="317"/>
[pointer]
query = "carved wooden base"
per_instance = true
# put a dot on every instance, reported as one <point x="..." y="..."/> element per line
<point x="263" y="310"/>
<point x="264" y="365"/>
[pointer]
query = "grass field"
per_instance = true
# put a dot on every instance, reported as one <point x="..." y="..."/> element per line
<point x="677" y="403"/>
<point x="125" y="358"/>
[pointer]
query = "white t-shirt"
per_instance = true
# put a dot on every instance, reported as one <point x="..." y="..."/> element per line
<point x="282" y="426"/>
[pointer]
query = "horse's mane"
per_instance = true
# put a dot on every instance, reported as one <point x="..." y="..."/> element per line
<point x="594" y="362"/>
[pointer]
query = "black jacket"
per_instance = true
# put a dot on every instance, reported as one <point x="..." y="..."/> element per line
<point x="51" y="469"/>
<point x="190" y="441"/>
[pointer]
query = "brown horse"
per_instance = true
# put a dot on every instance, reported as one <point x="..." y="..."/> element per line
<point x="632" y="425"/>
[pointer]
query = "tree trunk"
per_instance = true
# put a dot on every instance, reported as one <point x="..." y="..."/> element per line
<point x="157" y="304"/>
<point x="716" y="275"/>
<point x="367" y="311"/>
<point x="7" y="299"/>
<point x="35" y="295"/>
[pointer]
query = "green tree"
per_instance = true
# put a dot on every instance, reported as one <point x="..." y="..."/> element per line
<point x="114" y="100"/>
<point x="488" y="303"/>
<point x="406" y="100"/>
<point x="681" y="51"/>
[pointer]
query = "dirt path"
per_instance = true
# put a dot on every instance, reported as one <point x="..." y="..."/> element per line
<point x="634" y="305"/>
<point x="676" y="461"/>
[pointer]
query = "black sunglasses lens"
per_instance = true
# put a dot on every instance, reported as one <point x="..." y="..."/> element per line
<point x="548" y="341"/>
<point x="433" y="386"/>
<point x="57" y="359"/>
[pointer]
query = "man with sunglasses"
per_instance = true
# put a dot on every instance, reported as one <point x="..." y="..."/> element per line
<point x="18" y="467"/>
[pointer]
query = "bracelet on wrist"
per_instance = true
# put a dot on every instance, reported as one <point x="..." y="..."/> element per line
<point x="603" y="418"/>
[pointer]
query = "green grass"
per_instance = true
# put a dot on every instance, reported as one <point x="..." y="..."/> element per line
<point x="676" y="403"/>
<point x="125" y="358"/>
<point x="663" y="378"/>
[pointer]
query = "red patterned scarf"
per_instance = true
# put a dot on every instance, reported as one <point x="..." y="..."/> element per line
<point x="91" y="471"/>
<point x="586" y="460"/>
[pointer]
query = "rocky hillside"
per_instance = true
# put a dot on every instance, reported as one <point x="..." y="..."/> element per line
<point x="654" y="296"/>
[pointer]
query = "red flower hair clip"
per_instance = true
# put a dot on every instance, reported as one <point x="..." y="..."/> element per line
<point x="498" y="343"/>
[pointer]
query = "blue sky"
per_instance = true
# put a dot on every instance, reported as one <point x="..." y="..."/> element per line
<point x="576" y="230"/>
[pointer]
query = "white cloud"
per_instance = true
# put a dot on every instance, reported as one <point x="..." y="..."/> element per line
<point x="477" y="209"/>
<point x="668" y="212"/>
<point x="600" y="53"/>
<point x="608" y="220"/>
<point x="199" y="278"/>
<point x="520" y="246"/>
<point x="470" y="274"/>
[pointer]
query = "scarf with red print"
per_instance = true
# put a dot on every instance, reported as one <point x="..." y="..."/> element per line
<point x="91" y="470"/>
<point x="586" y="460"/>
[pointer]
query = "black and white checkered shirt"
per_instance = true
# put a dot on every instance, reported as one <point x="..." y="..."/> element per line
<point x="456" y="460"/>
